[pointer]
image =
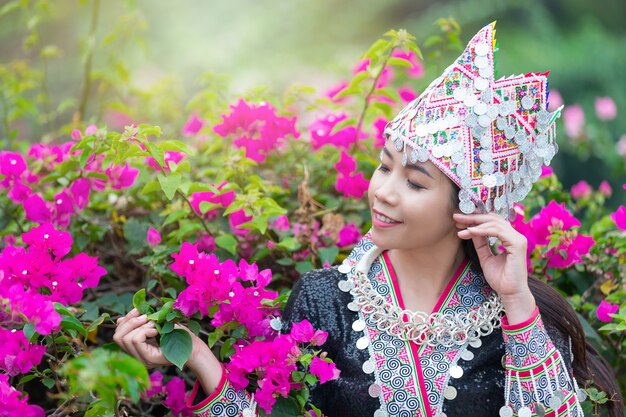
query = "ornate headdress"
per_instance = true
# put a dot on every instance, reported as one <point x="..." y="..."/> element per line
<point x="489" y="136"/>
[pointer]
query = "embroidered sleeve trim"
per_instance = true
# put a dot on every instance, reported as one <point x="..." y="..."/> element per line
<point x="514" y="329"/>
<point x="206" y="403"/>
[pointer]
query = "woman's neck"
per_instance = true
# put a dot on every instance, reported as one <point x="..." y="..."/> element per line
<point x="423" y="275"/>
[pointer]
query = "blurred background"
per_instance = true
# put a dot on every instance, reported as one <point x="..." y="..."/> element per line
<point x="163" y="50"/>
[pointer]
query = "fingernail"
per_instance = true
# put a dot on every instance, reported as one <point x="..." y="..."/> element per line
<point x="143" y="317"/>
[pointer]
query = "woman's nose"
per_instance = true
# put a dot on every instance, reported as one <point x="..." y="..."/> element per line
<point x="386" y="192"/>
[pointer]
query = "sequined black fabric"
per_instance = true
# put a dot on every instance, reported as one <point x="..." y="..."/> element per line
<point x="317" y="298"/>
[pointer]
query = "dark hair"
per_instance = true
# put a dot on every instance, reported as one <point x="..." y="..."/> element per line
<point x="556" y="312"/>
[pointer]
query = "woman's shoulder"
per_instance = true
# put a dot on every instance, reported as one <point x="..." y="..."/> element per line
<point x="319" y="284"/>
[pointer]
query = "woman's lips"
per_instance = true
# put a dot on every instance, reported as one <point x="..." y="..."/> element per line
<point x="383" y="221"/>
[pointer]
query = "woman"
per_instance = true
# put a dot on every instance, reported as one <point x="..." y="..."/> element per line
<point x="423" y="318"/>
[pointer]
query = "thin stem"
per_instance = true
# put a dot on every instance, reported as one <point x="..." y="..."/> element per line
<point x="366" y="103"/>
<point x="91" y="42"/>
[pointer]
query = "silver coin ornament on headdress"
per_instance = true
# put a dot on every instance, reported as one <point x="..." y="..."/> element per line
<point x="491" y="137"/>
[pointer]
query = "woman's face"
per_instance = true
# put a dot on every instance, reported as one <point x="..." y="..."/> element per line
<point x="411" y="205"/>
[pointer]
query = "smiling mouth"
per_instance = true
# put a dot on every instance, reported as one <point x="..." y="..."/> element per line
<point x="385" y="219"/>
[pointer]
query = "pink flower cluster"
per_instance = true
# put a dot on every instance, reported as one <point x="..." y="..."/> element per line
<point x="604" y="309"/>
<point x="256" y="128"/>
<point x="31" y="280"/>
<point x="238" y="291"/>
<point x="322" y="132"/>
<point x="554" y="219"/>
<point x="348" y="183"/>
<point x="272" y="363"/>
<point x="19" y="181"/>
<point x="221" y="200"/>
<point x="13" y="403"/>
<point x="175" y="394"/>
<point x="619" y="217"/>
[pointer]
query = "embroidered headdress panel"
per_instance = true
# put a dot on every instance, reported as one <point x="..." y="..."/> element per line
<point x="491" y="137"/>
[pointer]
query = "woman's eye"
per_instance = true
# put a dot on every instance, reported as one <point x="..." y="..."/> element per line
<point x="383" y="168"/>
<point x="413" y="186"/>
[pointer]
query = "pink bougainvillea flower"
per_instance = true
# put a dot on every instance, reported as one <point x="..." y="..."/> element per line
<point x="546" y="171"/>
<point x="570" y="252"/>
<point x="332" y="92"/>
<point x="552" y="217"/>
<point x="325" y="371"/>
<point x="91" y="130"/>
<point x="17" y="356"/>
<point x="352" y="185"/>
<point x="79" y="190"/>
<point x="574" y="120"/>
<point x="176" y="398"/>
<point x="236" y="219"/>
<point x="605" y="189"/>
<point x="348" y="235"/>
<point x="580" y="190"/>
<point x="379" y="135"/>
<point x="554" y="100"/>
<point x="156" y="386"/>
<point x="36" y="210"/>
<point x="385" y="77"/>
<point x="15" y="403"/>
<point x="170" y="156"/>
<point x="271" y="363"/>
<point x="416" y="70"/>
<point x="76" y="135"/>
<point x="346" y="164"/>
<point x="193" y="125"/>
<point x="223" y="199"/>
<point x="322" y="132"/>
<point x="206" y="243"/>
<point x="36" y="308"/>
<point x="154" y="237"/>
<point x="281" y="223"/>
<point x="121" y="176"/>
<point x="303" y="332"/>
<point x="407" y="94"/>
<point x="605" y="108"/>
<point x="604" y="309"/>
<point x="19" y="192"/>
<point x="209" y="281"/>
<point x="12" y="164"/>
<point x="47" y="238"/>
<point x="619" y="217"/>
<point x="256" y="128"/>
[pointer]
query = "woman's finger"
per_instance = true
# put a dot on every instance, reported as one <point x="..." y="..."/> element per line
<point x="135" y="340"/>
<point x="132" y="313"/>
<point x="128" y="326"/>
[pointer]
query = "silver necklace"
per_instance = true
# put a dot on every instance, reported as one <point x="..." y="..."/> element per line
<point x="447" y="329"/>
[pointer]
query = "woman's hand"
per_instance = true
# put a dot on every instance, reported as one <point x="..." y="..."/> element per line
<point x="136" y="334"/>
<point x="506" y="272"/>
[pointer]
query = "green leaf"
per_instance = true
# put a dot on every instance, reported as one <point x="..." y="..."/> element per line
<point x="72" y="323"/>
<point x="289" y="243"/>
<point x="29" y="332"/>
<point x="176" y="347"/>
<point x="26" y="378"/>
<point x="160" y="315"/>
<point x="48" y="382"/>
<point x="94" y="325"/>
<point x="311" y="379"/>
<point x="139" y="302"/>
<point x="169" y="184"/>
<point x="150" y="187"/>
<point x="399" y="62"/>
<point x="174" y="145"/>
<point x="328" y="254"/>
<point x="285" y="407"/>
<point x="99" y="410"/>
<point x="228" y="243"/>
